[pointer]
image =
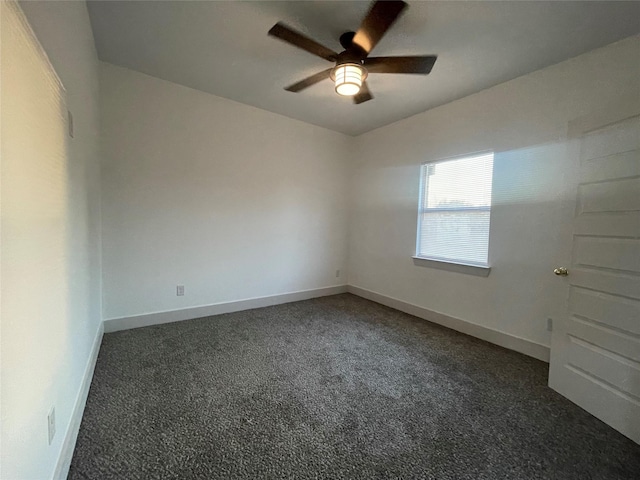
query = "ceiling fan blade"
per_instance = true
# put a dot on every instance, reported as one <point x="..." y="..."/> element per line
<point x="416" y="64"/>
<point x="363" y="95"/>
<point x="307" y="82"/>
<point x="287" y="34"/>
<point x="376" y="23"/>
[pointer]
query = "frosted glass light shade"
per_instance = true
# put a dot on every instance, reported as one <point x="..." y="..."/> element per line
<point x="348" y="79"/>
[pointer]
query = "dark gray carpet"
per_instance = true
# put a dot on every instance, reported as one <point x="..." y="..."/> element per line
<point x="337" y="387"/>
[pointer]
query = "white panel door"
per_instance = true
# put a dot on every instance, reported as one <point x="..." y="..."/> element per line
<point x="595" y="351"/>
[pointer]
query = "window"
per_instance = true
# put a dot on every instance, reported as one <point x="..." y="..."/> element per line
<point x="455" y="210"/>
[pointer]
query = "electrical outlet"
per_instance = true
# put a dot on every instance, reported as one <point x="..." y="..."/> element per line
<point x="180" y="290"/>
<point x="550" y="324"/>
<point x="51" y="424"/>
<point x="337" y="273"/>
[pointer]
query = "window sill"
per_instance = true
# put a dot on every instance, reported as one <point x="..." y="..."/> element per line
<point x="476" y="270"/>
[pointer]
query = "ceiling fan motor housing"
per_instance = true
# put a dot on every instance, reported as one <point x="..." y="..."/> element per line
<point x="346" y="40"/>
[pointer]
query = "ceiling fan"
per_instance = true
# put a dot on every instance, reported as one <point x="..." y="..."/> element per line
<point x="353" y="65"/>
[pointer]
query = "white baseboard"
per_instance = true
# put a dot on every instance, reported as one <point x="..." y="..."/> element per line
<point x="527" y="347"/>
<point x="532" y="349"/>
<point x="126" y="323"/>
<point x="71" y="435"/>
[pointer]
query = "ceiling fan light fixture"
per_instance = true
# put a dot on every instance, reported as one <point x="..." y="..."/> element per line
<point x="348" y="78"/>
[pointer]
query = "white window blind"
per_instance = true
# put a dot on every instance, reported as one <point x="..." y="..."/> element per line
<point x="455" y="210"/>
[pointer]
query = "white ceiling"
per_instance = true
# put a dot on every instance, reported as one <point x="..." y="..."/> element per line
<point x="223" y="48"/>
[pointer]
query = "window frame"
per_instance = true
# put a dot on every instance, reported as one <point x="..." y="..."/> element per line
<point x="442" y="263"/>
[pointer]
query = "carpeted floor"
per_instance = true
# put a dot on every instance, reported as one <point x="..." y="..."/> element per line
<point x="336" y="387"/>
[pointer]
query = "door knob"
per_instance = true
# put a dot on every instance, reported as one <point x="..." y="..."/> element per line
<point x="562" y="271"/>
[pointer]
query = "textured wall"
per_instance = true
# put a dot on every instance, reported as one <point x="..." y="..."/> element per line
<point x="228" y="200"/>
<point x="50" y="230"/>
<point x="525" y="121"/>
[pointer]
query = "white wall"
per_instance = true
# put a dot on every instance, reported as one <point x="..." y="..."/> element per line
<point x="228" y="200"/>
<point x="51" y="300"/>
<point x="525" y="121"/>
